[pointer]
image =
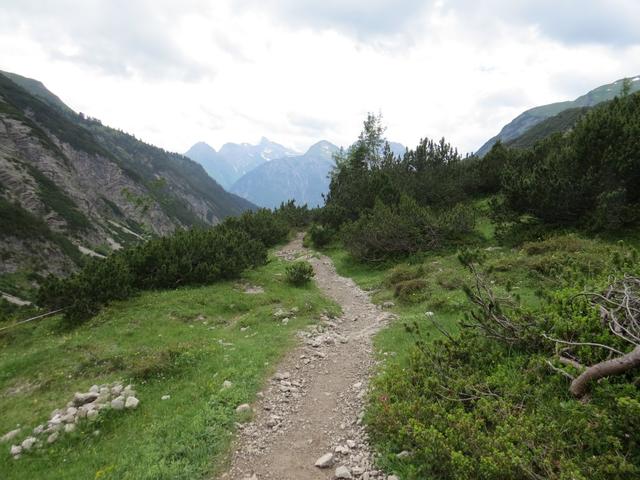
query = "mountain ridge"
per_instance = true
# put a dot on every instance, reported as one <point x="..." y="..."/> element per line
<point x="83" y="186"/>
<point x="533" y="116"/>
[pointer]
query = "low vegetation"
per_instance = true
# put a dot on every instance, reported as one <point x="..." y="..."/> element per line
<point x="182" y="342"/>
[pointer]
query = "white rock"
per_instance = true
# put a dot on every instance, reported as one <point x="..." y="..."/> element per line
<point x="39" y="429"/>
<point x="92" y="415"/>
<point x="132" y="402"/>
<point x="10" y="435"/>
<point x="245" y="407"/>
<point x="403" y="454"/>
<point x="94" y="389"/>
<point x="128" y="392"/>
<point x="343" y="472"/>
<point x="28" y="443"/>
<point x="351" y="444"/>
<point x="69" y="427"/>
<point x="165" y="397"/>
<point x="341" y="449"/>
<point x="282" y="375"/>
<point x="16" y="450"/>
<point x="53" y="437"/>
<point x="72" y="411"/>
<point x="227" y="384"/>
<point x="117" y="403"/>
<point x="393" y="477"/>
<point x="357" y="471"/>
<point x="325" y="461"/>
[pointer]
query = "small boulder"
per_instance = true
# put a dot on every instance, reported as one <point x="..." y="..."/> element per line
<point x="227" y="384"/>
<point x="69" y="427"/>
<point x="403" y="454"/>
<point x="351" y="444"/>
<point x="7" y="437"/>
<point x="53" y="437"/>
<point x="131" y="402"/>
<point x="117" y="389"/>
<point x="92" y="415"/>
<point x="117" y="403"/>
<point x="165" y="397"/>
<point x="28" y="443"/>
<point x="343" y="472"/>
<point x="388" y="304"/>
<point x="393" y="477"/>
<point x="245" y="407"/>
<point x="16" y="450"/>
<point x="82" y="398"/>
<point x="325" y="461"/>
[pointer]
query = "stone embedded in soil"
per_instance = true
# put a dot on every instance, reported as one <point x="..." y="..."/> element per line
<point x="165" y="397"/>
<point x="325" y="461"/>
<point x="53" y="437"/>
<point x="131" y="402"/>
<point x="343" y="472"/>
<point x="227" y="384"/>
<point x="16" y="450"/>
<point x="245" y="407"/>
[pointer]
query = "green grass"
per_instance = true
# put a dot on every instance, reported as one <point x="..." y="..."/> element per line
<point x="166" y="343"/>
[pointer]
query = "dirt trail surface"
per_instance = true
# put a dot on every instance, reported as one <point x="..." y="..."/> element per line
<point x="313" y="405"/>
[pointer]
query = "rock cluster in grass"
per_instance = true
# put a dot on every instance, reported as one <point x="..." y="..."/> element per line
<point x="85" y="406"/>
<point x="285" y="315"/>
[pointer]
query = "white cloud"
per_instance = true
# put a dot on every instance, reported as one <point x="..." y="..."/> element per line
<point x="174" y="73"/>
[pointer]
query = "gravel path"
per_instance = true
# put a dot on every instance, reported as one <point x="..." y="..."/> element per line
<point x="313" y="405"/>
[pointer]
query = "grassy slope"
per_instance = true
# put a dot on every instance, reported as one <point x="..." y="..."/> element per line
<point x="170" y="342"/>
<point x="526" y="270"/>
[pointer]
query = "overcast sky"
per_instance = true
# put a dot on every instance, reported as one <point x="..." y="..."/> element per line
<point x="296" y="71"/>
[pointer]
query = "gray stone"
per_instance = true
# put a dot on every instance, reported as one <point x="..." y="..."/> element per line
<point x="16" y="450"/>
<point x="343" y="472"/>
<point x="69" y="427"/>
<point x="393" y="477"/>
<point x="131" y="402"/>
<point x="165" y="397"/>
<point x="28" y="443"/>
<point x="403" y="454"/>
<point x="245" y="407"/>
<point x="92" y="415"/>
<point x="53" y="437"/>
<point x="82" y="398"/>
<point x="227" y="384"/>
<point x="10" y="435"/>
<point x="117" y="403"/>
<point x="325" y="461"/>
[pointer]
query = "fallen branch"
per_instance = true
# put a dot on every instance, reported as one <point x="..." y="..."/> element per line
<point x="615" y="366"/>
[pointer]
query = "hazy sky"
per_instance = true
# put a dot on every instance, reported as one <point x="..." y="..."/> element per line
<point x="296" y="71"/>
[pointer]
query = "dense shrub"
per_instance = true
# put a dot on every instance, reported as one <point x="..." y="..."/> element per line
<point x="410" y="291"/>
<point x="588" y="178"/>
<point x="299" y="273"/>
<point x="477" y="406"/>
<point x="187" y="257"/>
<point x="392" y="231"/>
<point x="320" y="236"/>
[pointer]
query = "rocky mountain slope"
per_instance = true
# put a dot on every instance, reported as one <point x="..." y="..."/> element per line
<point x="71" y="186"/>
<point x="234" y="160"/>
<point x="303" y="178"/>
<point x="527" y="120"/>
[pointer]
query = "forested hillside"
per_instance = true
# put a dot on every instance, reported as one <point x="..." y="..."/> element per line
<point x="71" y="187"/>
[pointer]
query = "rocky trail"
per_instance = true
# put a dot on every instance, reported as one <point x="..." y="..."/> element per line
<point x="308" y="419"/>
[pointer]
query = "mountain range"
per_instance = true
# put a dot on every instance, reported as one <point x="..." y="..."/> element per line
<point x="532" y="117"/>
<point x="235" y="160"/>
<point x="70" y="185"/>
<point x="269" y="174"/>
